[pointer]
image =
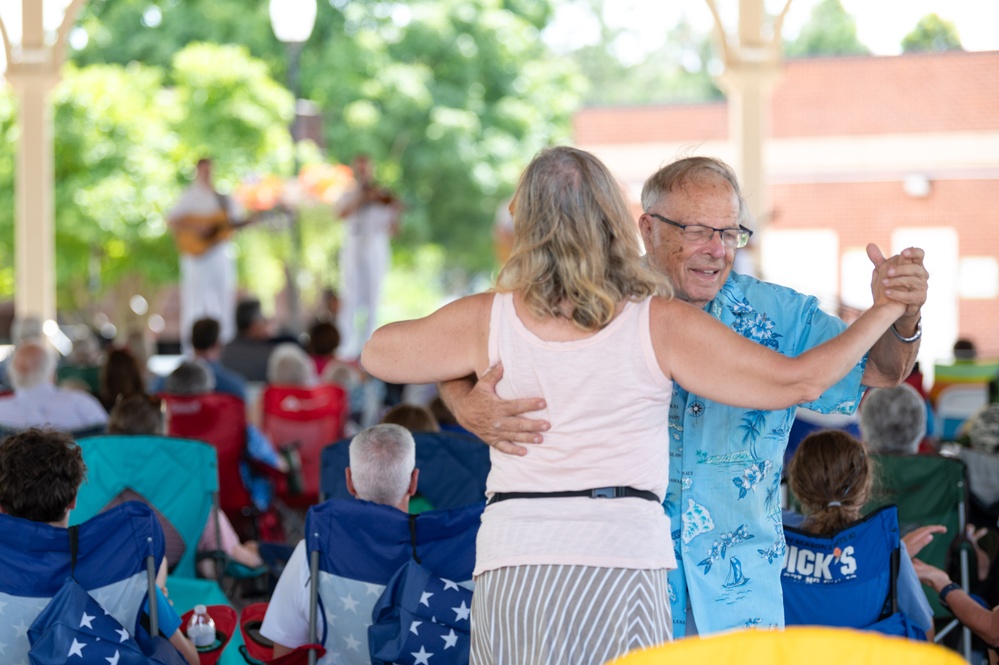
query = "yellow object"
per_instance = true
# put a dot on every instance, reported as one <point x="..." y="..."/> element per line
<point x="795" y="645"/>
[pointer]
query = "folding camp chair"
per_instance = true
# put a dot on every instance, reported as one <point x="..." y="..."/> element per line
<point x="928" y="489"/>
<point x="354" y="548"/>
<point x="118" y="554"/>
<point x="846" y="579"/>
<point x="218" y="419"/>
<point x="308" y="419"/>
<point x="795" y="645"/>
<point x="955" y="404"/>
<point x="453" y="469"/>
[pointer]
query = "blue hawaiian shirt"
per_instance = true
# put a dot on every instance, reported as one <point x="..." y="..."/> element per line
<point x="725" y="467"/>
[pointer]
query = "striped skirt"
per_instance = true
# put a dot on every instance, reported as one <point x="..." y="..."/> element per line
<point x="576" y="615"/>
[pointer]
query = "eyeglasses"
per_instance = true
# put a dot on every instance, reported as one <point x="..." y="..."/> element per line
<point x="700" y="234"/>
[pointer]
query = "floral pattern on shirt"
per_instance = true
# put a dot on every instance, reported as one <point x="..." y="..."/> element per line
<point x="725" y="467"/>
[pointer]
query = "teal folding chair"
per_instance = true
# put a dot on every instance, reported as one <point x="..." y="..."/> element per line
<point x="179" y="479"/>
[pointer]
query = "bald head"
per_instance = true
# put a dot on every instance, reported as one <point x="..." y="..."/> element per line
<point x="32" y="364"/>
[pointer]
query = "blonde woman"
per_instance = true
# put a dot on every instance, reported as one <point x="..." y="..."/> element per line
<point x="572" y="556"/>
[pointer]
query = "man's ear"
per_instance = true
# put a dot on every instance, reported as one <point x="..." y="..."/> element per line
<point x="645" y="229"/>
<point x="413" y="480"/>
<point x="350" y="483"/>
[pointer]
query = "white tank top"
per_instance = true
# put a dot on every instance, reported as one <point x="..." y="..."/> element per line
<point x="608" y="403"/>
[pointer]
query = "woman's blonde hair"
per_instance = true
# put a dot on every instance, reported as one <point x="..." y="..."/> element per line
<point x="575" y="250"/>
<point x="831" y="475"/>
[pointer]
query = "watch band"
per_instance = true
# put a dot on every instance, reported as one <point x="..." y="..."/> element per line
<point x="953" y="586"/>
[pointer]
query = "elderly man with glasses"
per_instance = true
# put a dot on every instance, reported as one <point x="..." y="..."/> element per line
<point x="725" y="462"/>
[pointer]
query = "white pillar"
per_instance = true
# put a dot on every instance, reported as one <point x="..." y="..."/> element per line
<point x="34" y="235"/>
<point x="33" y="72"/>
<point x="752" y="58"/>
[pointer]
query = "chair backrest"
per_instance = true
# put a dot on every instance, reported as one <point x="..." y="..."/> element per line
<point x="178" y="477"/>
<point x="453" y="469"/>
<point x="310" y="419"/>
<point x="118" y="552"/>
<point x="927" y="489"/>
<point x="358" y="546"/>
<point x="218" y="419"/>
<point x="843" y="579"/>
<point x="957" y="403"/>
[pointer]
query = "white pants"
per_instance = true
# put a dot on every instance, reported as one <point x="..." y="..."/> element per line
<point x="364" y="261"/>
<point x="208" y="289"/>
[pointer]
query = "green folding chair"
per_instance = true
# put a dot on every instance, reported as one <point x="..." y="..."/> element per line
<point x="928" y="489"/>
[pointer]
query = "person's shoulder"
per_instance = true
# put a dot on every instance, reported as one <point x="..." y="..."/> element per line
<point x="753" y="289"/>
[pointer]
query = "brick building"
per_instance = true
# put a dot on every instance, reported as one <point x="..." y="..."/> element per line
<point x="898" y="151"/>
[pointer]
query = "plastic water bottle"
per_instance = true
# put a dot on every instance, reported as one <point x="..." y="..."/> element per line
<point x="201" y="627"/>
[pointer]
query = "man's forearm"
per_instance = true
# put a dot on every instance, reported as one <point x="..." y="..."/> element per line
<point x="893" y="355"/>
<point x="454" y="391"/>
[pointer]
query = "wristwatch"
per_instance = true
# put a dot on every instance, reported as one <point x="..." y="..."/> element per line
<point x="945" y="591"/>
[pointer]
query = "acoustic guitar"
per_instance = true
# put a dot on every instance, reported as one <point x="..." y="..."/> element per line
<point x="196" y="234"/>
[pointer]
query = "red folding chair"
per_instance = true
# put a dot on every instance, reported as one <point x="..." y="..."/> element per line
<point x="218" y="419"/>
<point x="308" y="419"/>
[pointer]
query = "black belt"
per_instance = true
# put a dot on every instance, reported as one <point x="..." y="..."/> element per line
<point x="596" y="493"/>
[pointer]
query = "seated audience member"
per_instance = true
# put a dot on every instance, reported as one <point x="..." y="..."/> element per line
<point x="21" y="330"/>
<point x="893" y="420"/>
<point x="382" y="470"/>
<point x="412" y="417"/>
<point x="120" y="376"/>
<point x="831" y="476"/>
<point x="207" y="348"/>
<point x="324" y="339"/>
<point x="40" y="474"/>
<point x="982" y="621"/>
<point x="142" y="415"/>
<point x="289" y="365"/>
<point x="248" y="352"/>
<point x="38" y="402"/>
<point x="192" y="377"/>
<point x="965" y="350"/>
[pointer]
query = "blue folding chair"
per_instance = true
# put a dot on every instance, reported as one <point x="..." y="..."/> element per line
<point x="116" y="563"/>
<point x="453" y="469"/>
<point x="355" y="547"/>
<point x="179" y="478"/>
<point x="846" y="579"/>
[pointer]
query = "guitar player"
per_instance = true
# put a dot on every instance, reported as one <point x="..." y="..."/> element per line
<point x="202" y="222"/>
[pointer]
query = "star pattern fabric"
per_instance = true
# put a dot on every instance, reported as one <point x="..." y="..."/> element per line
<point x="74" y="628"/>
<point x="421" y="619"/>
<point x="17" y="614"/>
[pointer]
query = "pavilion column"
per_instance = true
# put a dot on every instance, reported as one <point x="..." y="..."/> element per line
<point x="34" y="235"/>
<point x="33" y="71"/>
<point x="752" y="59"/>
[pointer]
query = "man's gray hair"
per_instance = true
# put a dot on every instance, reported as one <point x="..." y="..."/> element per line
<point x="893" y="420"/>
<point x="33" y="363"/>
<point x="192" y="377"/>
<point x="289" y="365"/>
<point x="678" y="173"/>
<point x="382" y="459"/>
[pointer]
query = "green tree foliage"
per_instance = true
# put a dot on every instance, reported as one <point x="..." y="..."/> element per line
<point x="126" y="138"/>
<point x="932" y="33"/>
<point x="829" y="31"/>
<point x="675" y="71"/>
<point x="451" y="98"/>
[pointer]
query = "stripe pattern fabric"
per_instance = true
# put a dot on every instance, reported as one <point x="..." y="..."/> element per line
<point x="563" y="614"/>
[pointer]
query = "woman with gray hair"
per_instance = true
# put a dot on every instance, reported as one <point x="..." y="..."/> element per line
<point x="290" y="365"/>
<point x="893" y="420"/>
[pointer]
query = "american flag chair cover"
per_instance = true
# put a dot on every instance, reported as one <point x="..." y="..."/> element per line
<point x="119" y="550"/>
<point x="356" y="547"/>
